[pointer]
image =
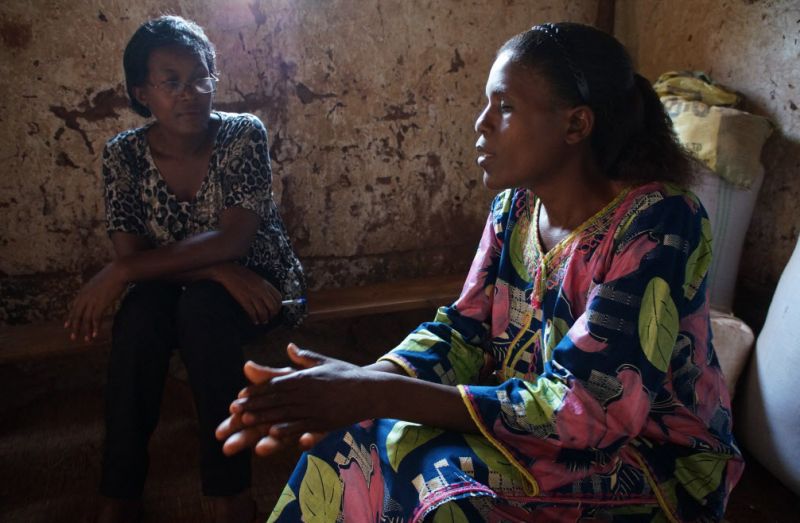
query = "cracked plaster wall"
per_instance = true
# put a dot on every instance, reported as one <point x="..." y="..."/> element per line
<point x="369" y="105"/>
<point x="752" y="46"/>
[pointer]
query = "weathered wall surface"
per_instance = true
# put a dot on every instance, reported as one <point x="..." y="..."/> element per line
<point x="370" y="106"/>
<point x="753" y="47"/>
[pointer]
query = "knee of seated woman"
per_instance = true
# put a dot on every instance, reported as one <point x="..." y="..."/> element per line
<point x="204" y="301"/>
<point x="147" y="305"/>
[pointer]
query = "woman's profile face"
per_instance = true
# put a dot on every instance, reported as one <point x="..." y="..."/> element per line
<point x="186" y="111"/>
<point x="521" y="129"/>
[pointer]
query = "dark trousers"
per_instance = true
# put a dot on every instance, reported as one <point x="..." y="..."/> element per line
<point x="209" y="328"/>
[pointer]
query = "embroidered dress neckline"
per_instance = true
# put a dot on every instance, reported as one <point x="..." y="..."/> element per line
<point x="556" y="249"/>
<point x="211" y="159"/>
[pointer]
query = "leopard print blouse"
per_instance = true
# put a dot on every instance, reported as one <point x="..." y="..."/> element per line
<point x="138" y="200"/>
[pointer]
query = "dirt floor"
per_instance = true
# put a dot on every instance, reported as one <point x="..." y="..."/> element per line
<point x="51" y="434"/>
<point x="51" y="428"/>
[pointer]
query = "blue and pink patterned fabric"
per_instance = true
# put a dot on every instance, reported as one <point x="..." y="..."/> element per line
<point x="588" y="370"/>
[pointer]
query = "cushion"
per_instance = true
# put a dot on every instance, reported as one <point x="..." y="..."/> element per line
<point x="768" y="407"/>
<point x="733" y="342"/>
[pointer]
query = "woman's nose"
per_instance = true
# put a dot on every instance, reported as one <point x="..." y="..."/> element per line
<point x="481" y="124"/>
<point x="188" y="90"/>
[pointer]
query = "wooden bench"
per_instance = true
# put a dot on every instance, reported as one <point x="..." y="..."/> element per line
<point x="39" y="340"/>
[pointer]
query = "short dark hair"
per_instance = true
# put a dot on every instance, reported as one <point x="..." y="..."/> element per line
<point x="159" y="32"/>
<point x="633" y="139"/>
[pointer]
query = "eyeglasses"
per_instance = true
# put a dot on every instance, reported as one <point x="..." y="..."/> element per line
<point x="552" y="31"/>
<point x="175" y="88"/>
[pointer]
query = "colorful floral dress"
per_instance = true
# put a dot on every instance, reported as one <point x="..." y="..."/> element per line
<point x="608" y="400"/>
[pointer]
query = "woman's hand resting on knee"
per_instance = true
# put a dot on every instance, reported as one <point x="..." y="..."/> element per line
<point x="93" y="300"/>
<point x="259" y="299"/>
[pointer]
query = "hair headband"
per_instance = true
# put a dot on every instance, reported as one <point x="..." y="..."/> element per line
<point x="552" y="31"/>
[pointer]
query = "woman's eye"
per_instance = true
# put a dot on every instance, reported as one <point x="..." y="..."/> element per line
<point x="504" y="107"/>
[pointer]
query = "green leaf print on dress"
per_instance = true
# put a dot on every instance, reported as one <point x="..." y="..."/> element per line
<point x="698" y="262"/>
<point x="287" y="496"/>
<point x="519" y="238"/>
<point x="494" y="459"/>
<point x="320" y="492"/>
<point x="658" y="323"/>
<point x="419" y="341"/>
<point x="466" y="360"/>
<point x="404" y="438"/>
<point x="701" y="474"/>
<point x="541" y="399"/>
<point x="450" y="513"/>
<point x="554" y="332"/>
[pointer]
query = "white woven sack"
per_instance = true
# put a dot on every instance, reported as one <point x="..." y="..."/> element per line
<point x="729" y="210"/>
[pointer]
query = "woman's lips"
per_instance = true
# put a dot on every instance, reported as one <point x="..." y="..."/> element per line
<point x="191" y="112"/>
<point x="483" y="157"/>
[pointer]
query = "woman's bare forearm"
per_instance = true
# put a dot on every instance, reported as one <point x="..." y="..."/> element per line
<point x="204" y="273"/>
<point x="198" y="253"/>
<point x="410" y="399"/>
<point x="126" y="245"/>
<point x="387" y="366"/>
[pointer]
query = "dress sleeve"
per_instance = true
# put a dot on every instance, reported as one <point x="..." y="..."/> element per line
<point x="596" y="390"/>
<point x="449" y="350"/>
<point x="247" y="176"/>
<point x="124" y="206"/>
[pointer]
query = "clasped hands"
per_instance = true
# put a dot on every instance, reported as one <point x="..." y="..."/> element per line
<point x="296" y="406"/>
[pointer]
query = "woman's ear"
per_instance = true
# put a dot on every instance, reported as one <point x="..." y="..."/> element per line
<point x="141" y="95"/>
<point x="580" y="122"/>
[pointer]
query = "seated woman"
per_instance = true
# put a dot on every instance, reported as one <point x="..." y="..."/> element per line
<point x="195" y="230"/>
<point x="574" y="378"/>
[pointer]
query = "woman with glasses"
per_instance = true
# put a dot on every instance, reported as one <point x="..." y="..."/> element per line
<point x="574" y="379"/>
<point x="204" y="257"/>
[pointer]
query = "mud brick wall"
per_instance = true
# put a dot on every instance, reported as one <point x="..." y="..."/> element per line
<point x="370" y="107"/>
